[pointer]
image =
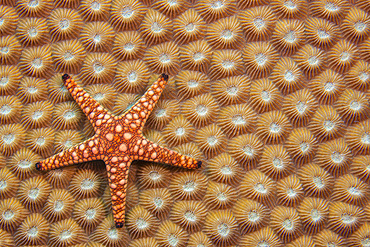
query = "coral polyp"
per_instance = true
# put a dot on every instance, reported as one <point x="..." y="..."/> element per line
<point x="131" y="76"/>
<point x="342" y="56"/>
<point x="246" y="149"/>
<point x="32" y="89"/>
<point x="358" y="137"/>
<point x="196" y="56"/>
<point x="126" y="14"/>
<point x="356" y="25"/>
<point x="189" y="214"/>
<point x="168" y="232"/>
<point x="288" y="36"/>
<point x="302" y="145"/>
<point x="321" y="33"/>
<point x="155" y="28"/>
<point x="293" y="9"/>
<point x="163" y="58"/>
<point x="36" y="61"/>
<point x="32" y="31"/>
<point x="64" y="24"/>
<point x="273" y="127"/>
<point x="10" y="50"/>
<point x="286" y="223"/>
<point x="226" y="63"/>
<point x="11" y="138"/>
<point x="94" y="10"/>
<point x="211" y="140"/>
<point x="275" y="162"/>
<point x="264" y="96"/>
<point x="289" y="191"/>
<point x="10" y="109"/>
<point x="128" y="45"/>
<point x="140" y="223"/>
<point x="350" y="189"/>
<point x="33" y="231"/>
<point x="212" y="10"/>
<point x="188" y="27"/>
<point x="231" y="90"/>
<point x="314" y="214"/>
<point x="358" y="76"/>
<point x="257" y="22"/>
<point x="332" y="10"/>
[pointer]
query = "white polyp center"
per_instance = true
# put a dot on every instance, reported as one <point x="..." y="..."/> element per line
<point x="217" y="4"/>
<point x="33" y="3"/>
<point x="32" y="90"/>
<point x="160" y="113"/>
<point x="24" y="164"/>
<point x="227" y="64"/>
<point x="5" y="110"/>
<point x="189" y="186"/>
<point x="290" y="5"/>
<point x="248" y="150"/>
<point x="201" y="110"/>
<point x="275" y="128"/>
<point x="173" y="240"/>
<point x="221" y="196"/>
<point x="363" y="76"/>
<point x="158" y="202"/>
<point x="265" y="95"/>
<point x="278" y="163"/>
<point x="69" y="114"/>
<point x="323" y="34"/>
<point x="32" y="232"/>
<point x="9" y="138"/>
<point x="97" y="38"/>
<point x="98" y="67"/>
<point x="164" y="58"/>
<point x="328" y="125"/>
<point x="1" y="21"/>
<point x="68" y="56"/>
<point x="37" y="114"/>
<point x="259" y="22"/>
<point x="232" y="90"/>
<point x="315" y="215"/>
<point x="87" y="184"/>
<point x="365" y="138"/>
<point x="291" y="192"/>
<point x="32" y="32"/>
<point x="33" y="193"/>
<point x="260" y="59"/>
<point x="223" y="229"/>
<point x="40" y="141"/>
<point x="288" y="224"/>
<point x="190" y="27"/>
<point x="4" y="81"/>
<point x="180" y="131"/>
<point x="68" y="144"/>
<point x="331" y="7"/>
<point x="260" y="188"/>
<point x="289" y="76"/>
<point x="90" y="213"/>
<point x="344" y="56"/>
<point x="112" y="233"/>
<point x="64" y="24"/>
<point x="65" y="234"/>
<point x="154" y="175"/>
<point x="226" y="170"/>
<point x="198" y="56"/>
<point x="319" y="183"/>
<point x="190" y="216"/>
<point x="348" y="219"/>
<point x="193" y="83"/>
<point x="4" y="49"/>
<point x="127" y="12"/>
<point x="3" y="184"/>
<point x="99" y="96"/>
<point x="132" y="77"/>
<point x="58" y="206"/>
<point x="354" y="191"/>
<point x="360" y="26"/>
<point x="8" y="214"/>
<point x="238" y="119"/>
<point x="301" y="107"/>
<point x="129" y="46"/>
<point x="253" y="216"/>
<point x="227" y="34"/>
<point x="337" y="157"/>
<point x="355" y="105"/>
<point x="212" y="140"/>
<point x="304" y="147"/>
<point x="95" y="6"/>
<point x="141" y="223"/>
<point x="37" y="63"/>
<point x="171" y="2"/>
<point x="313" y="60"/>
<point x="156" y="27"/>
<point x="290" y="37"/>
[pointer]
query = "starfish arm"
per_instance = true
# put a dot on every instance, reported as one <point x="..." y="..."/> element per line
<point x="117" y="171"/>
<point x="92" y="108"/>
<point x="86" y="151"/>
<point x="141" y="110"/>
<point x="150" y="151"/>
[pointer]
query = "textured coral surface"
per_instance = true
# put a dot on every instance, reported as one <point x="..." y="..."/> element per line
<point x="272" y="96"/>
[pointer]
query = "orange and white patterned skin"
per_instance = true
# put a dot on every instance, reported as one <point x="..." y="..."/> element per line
<point x="118" y="140"/>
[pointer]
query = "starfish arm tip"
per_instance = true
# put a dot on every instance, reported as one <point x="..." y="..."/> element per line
<point x="165" y="77"/>
<point x="119" y="224"/>
<point x="38" y="166"/>
<point x="65" y="77"/>
<point x="199" y="164"/>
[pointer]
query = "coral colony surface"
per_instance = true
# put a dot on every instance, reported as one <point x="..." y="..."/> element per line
<point x="271" y="95"/>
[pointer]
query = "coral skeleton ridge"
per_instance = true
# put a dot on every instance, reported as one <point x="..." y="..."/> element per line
<point x="118" y="140"/>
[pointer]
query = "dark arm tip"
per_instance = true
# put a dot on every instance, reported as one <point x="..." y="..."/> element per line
<point x="165" y="76"/>
<point x="199" y="164"/>
<point x="38" y="166"/>
<point x="119" y="225"/>
<point x="65" y="77"/>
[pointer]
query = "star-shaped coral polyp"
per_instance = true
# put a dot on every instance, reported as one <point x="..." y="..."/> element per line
<point x="118" y="140"/>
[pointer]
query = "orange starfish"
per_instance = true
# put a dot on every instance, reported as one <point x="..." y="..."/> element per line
<point x="118" y="140"/>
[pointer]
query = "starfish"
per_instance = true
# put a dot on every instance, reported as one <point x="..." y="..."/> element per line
<point x="118" y="140"/>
